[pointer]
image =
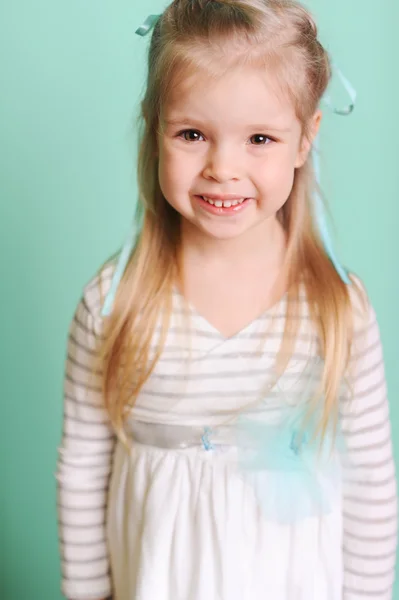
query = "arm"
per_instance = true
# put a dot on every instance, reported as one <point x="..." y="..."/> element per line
<point x="84" y="468"/>
<point x="370" y="503"/>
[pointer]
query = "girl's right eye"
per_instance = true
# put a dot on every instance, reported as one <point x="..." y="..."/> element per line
<point x="190" y="132"/>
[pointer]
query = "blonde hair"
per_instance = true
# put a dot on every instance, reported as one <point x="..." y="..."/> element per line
<point x="277" y="34"/>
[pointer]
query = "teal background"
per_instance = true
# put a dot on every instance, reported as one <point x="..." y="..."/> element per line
<point x="71" y="74"/>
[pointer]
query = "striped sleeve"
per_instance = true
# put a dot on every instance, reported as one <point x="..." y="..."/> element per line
<point x="370" y="497"/>
<point x="84" y="467"/>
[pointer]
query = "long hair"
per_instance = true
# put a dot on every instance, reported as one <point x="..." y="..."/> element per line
<point x="216" y="36"/>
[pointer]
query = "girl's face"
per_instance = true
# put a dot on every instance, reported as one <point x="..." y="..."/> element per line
<point x="235" y="141"/>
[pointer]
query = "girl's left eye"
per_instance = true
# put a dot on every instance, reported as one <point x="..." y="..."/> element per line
<point x="262" y="139"/>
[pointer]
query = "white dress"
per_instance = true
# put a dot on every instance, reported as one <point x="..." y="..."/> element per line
<point x="180" y="523"/>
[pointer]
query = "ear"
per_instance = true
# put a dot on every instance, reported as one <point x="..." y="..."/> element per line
<point x="308" y="139"/>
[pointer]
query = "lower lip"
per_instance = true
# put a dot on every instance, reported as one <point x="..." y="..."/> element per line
<point x="216" y="210"/>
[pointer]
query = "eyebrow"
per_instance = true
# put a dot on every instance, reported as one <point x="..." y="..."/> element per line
<point x="255" y="126"/>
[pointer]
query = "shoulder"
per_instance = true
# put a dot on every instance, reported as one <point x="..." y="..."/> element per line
<point x="96" y="289"/>
<point x="92" y="297"/>
<point x="358" y="313"/>
<point x="366" y="342"/>
<point x="362" y="310"/>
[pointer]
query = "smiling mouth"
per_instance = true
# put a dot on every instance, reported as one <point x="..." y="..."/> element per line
<point x="223" y="203"/>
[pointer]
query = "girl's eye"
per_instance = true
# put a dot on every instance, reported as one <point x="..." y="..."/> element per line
<point x="190" y="135"/>
<point x="261" y="139"/>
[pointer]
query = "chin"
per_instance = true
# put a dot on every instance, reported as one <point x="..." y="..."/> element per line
<point x="223" y="233"/>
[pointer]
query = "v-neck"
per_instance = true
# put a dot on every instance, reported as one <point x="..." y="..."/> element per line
<point x="206" y="325"/>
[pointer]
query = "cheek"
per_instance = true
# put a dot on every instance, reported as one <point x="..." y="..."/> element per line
<point x="276" y="181"/>
<point x="166" y="173"/>
<point x="277" y="175"/>
<point x="173" y="177"/>
<point x="176" y="172"/>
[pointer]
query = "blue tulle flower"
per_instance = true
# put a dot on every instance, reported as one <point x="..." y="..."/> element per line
<point x="293" y="474"/>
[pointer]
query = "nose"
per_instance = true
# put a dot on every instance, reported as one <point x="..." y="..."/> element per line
<point x="222" y="164"/>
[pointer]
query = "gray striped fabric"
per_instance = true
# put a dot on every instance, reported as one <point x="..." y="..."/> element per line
<point x="86" y="451"/>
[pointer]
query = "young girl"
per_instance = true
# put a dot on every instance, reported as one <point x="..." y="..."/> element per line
<point x="201" y="398"/>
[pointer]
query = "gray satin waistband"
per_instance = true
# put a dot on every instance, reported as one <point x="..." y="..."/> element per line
<point x="180" y="436"/>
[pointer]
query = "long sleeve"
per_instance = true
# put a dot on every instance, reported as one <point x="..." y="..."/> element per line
<point x="84" y="467"/>
<point x="370" y="496"/>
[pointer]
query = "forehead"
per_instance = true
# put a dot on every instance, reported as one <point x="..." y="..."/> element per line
<point x="240" y="96"/>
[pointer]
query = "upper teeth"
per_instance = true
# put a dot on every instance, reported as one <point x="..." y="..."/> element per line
<point x="224" y="203"/>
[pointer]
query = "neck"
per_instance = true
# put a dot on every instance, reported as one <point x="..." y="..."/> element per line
<point x="263" y="246"/>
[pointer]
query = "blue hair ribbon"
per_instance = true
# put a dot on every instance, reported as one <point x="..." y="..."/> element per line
<point x="148" y="25"/>
<point x="320" y="215"/>
<point x="123" y="260"/>
<point x="319" y="210"/>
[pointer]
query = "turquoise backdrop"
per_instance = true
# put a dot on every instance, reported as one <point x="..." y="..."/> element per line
<point x="71" y="74"/>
